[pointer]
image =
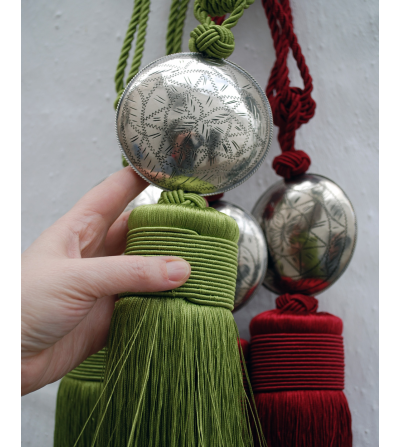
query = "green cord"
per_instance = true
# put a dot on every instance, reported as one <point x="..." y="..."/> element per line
<point x="140" y="16"/>
<point x="139" y="19"/>
<point x="176" y="22"/>
<point x="216" y="40"/>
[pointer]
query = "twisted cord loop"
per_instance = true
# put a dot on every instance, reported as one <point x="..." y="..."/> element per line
<point x="291" y="106"/>
<point x="139" y="18"/>
<point x="176" y="22"/>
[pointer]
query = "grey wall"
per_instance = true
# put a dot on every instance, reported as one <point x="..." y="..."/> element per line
<point x="69" y="54"/>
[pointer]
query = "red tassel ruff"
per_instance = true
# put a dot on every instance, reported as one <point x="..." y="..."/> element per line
<point x="305" y="418"/>
<point x="297" y="375"/>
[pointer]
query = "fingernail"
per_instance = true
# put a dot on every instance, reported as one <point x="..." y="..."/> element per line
<point x="177" y="270"/>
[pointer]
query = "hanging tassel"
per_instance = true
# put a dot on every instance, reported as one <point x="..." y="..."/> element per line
<point x="77" y="396"/>
<point x="173" y="372"/>
<point x="297" y="375"/>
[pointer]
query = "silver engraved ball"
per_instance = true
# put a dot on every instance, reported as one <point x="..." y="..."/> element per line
<point x="252" y="256"/>
<point x="311" y="232"/>
<point x="187" y="121"/>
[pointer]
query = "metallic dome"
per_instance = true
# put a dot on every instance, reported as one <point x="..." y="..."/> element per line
<point x="252" y="255"/>
<point x="311" y="232"/>
<point x="191" y="122"/>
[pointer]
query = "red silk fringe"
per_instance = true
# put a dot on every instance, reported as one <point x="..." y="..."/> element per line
<point x="305" y="418"/>
<point x="297" y="375"/>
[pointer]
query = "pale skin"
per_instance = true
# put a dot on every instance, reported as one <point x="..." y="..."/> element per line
<point x="71" y="276"/>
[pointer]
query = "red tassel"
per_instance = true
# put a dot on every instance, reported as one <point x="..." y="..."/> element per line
<point x="297" y="375"/>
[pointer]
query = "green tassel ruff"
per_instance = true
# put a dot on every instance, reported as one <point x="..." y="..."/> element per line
<point x="77" y="397"/>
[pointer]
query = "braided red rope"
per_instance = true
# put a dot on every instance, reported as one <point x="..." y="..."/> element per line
<point x="291" y="106"/>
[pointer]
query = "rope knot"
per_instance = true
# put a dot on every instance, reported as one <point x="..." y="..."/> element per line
<point x="214" y="40"/>
<point x="286" y="107"/>
<point x="297" y="303"/>
<point x="291" y="163"/>
<point x="180" y="198"/>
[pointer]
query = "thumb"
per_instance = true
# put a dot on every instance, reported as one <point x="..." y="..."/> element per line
<point x="118" y="274"/>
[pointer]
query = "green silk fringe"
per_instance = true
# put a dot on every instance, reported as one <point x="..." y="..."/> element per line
<point x="173" y="373"/>
<point x="77" y="399"/>
<point x="173" y="377"/>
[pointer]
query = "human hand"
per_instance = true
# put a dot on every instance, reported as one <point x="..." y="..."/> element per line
<point x="71" y="275"/>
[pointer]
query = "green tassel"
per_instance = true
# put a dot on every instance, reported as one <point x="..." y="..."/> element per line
<point x="77" y="399"/>
<point x="173" y="373"/>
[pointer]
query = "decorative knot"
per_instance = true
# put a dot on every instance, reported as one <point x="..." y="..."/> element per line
<point x="180" y="198"/>
<point x="213" y="40"/>
<point x="297" y="303"/>
<point x="291" y="163"/>
<point x="286" y="106"/>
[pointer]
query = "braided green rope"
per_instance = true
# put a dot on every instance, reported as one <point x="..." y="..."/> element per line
<point x="169" y="44"/>
<point x="126" y="48"/>
<point x="180" y="21"/>
<point x="216" y="40"/>
<point x="144" y="16"/>
<point x="139" y="18"/>
<point x="176" y="22"/>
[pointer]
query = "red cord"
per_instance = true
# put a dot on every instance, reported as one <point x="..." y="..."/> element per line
<point x="218" y="20"/>
<point x="291" y="106"/>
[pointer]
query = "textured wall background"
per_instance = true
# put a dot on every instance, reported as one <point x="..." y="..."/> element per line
<point x="69" y="54"/>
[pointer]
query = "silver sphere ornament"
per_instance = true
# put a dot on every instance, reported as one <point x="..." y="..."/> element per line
<point x="252" y="255"/>
<point x="187" y="121"/>
<point x="311" y="232"/>
<point x="149" y="196"/>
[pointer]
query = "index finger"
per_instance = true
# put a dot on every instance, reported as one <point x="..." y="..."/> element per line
<point x="105" y="202"/>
